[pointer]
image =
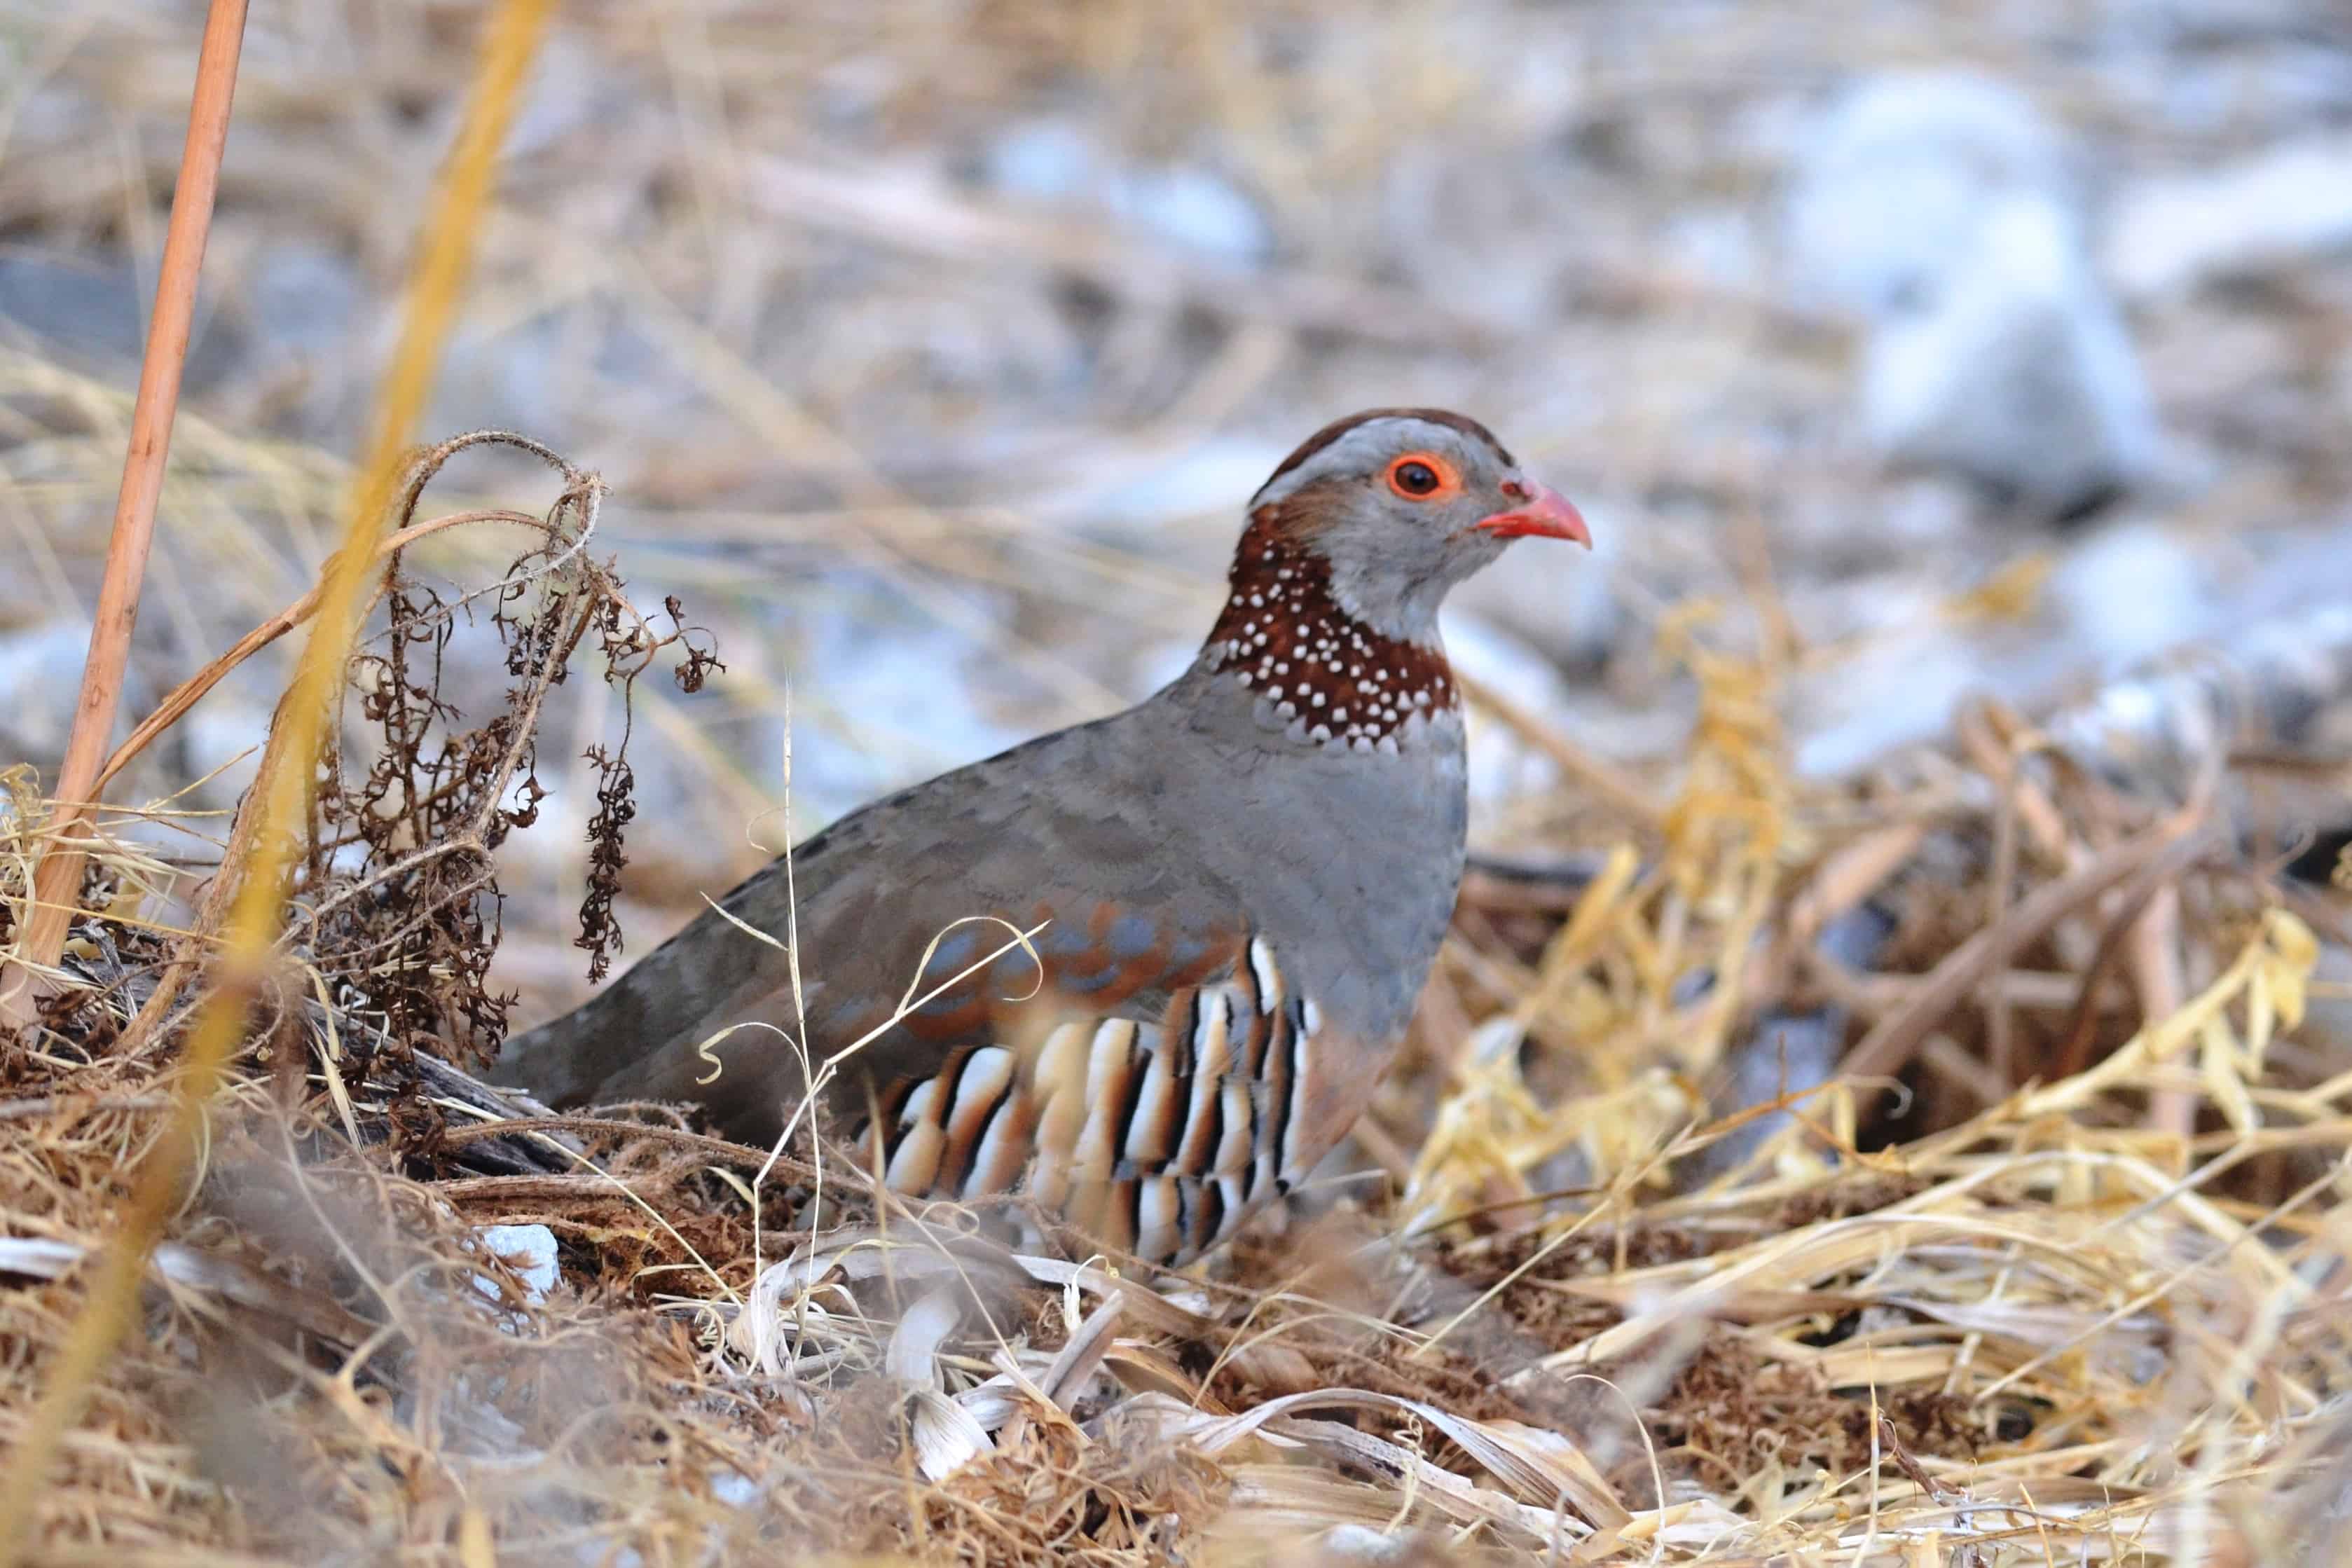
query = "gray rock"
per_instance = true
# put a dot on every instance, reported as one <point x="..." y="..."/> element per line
<point x="1045" y="160"/>
<point x="1895" y="179"/>
<point x="1361" y="1543"/>
<point x="2130" y="592"/>
<point x="1945" y="214"/>
<point x="1860" y="710"/>
<point x="2017" y="371"/>
<point x="2286" y="205"/>
<point x="530" y="1249"/>
<point x="1192" y="207"/>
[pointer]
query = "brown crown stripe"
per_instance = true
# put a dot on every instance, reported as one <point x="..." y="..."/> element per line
<point x="1284" y="635"/>
<point x="1339" y="428"/>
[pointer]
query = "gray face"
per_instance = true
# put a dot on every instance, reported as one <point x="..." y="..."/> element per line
<point x="1393" y="504"/>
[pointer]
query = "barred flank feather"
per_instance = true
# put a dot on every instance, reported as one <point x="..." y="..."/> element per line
<point x="1159" y="1137"/>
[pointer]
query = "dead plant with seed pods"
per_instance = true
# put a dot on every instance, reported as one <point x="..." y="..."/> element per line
<point x="400" y="896"/>
<point x="393" y="917"/>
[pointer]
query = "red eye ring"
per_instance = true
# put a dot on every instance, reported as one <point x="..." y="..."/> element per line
<point x="1423" y="475"/>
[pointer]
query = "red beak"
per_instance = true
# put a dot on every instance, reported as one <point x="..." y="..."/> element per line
<point x="1545" y="515"/>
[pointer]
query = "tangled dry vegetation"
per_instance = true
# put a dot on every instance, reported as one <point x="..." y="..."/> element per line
<point x="2054" y="1273"/>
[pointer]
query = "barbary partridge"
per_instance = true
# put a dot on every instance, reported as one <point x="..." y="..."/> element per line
<point x="1243" y="882"/>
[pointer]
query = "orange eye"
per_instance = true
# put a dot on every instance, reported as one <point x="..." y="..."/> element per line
<point x="1418" y="476"/>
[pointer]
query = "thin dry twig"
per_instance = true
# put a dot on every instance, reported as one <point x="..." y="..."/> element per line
<point x="1891" y="1041"/>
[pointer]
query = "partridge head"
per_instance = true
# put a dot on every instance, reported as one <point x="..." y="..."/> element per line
<point x="1350" y="549"/>
<point x="1237" y="887"/>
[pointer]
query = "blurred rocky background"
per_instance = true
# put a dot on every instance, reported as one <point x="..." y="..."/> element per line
<point x="930" y="348"/>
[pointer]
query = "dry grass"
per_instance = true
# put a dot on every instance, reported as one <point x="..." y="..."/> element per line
<point x="2040" y="1326"/>
<point x="2058" y="1278"/>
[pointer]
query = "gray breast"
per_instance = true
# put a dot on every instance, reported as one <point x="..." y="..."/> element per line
<point x="1350" y="859"/>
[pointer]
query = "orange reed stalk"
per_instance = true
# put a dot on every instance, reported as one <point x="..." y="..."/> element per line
<point x="58" y="879"/>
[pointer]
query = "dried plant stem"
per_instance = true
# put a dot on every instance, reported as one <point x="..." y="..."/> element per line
<point x="58" y="878"/>
<point x="191" y="691"/>
<point x="508" y="45"/>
